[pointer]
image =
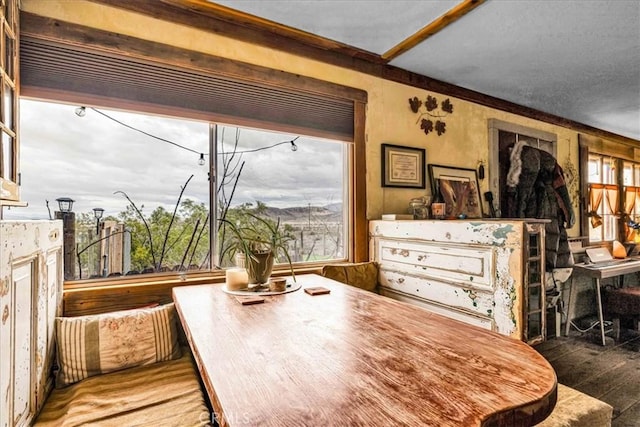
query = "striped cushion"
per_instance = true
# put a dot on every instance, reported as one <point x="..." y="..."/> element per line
<point x="163" y="394"/>
<point x="97" y="344"/>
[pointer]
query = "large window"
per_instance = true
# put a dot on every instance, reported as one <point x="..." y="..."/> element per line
<point x="613" y="198"/>
<point x="631" y="191"/>
<point x="299" y="181"/>
<point x="151" y="176"/>
<point x="603" y="198"/>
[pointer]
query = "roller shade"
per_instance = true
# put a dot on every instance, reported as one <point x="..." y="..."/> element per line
<point x="60" y="67"/>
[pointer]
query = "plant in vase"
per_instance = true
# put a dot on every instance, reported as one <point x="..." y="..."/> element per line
<point x="260" y="241"/>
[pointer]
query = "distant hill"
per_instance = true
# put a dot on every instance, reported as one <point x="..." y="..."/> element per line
<point x="328" y="213"/>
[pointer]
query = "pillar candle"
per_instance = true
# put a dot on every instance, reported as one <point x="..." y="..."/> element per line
<point x="236" y="278"/>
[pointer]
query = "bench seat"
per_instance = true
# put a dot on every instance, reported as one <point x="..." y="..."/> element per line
<point x="161" y="394"/>
<point x="576" y="409"/>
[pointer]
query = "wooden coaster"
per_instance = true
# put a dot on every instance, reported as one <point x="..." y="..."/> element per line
<point x="318" y="290"/>
<point x="250" y="300"/>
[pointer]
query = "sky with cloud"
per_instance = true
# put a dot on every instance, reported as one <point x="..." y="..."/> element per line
<point x="90" y="158"/>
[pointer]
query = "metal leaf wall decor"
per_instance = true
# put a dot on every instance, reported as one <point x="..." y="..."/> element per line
<point x="428" y="112"/>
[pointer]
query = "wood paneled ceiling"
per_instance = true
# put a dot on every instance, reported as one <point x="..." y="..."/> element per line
<point x="577" y="60"/>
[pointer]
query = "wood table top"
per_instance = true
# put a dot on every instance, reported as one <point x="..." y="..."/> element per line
<point x="352" y="357"/>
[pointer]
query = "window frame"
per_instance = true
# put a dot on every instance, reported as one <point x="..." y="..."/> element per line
<point x="618" y="153"/>
<point x="9" y="126"/>
<point x="72" y="34"/>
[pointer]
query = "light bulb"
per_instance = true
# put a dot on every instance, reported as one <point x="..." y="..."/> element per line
<point x="294" y="147"/>
<point x="81" y="111"/>
<point x="201" y="159"/>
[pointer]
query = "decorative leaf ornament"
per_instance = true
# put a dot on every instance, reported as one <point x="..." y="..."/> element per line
<point x="447" y="106"/>
<point x="415" y="104"/>
<point x="432" y="103"/>
<point x="430" y="110"/>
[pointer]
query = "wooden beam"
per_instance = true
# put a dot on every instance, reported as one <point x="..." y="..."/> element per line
<point x="432" y="28"/>
<point x="246" y="20"/>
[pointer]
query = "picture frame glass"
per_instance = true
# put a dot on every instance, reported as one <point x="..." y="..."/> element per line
<point x="403" y="166"/>
<point x="460" y="189"/>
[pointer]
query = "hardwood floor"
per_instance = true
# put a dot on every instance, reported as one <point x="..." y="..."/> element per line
<point x="610" y="373"/>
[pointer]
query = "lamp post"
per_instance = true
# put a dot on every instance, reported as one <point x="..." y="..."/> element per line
<point x="97" y="212"/>
<point x="65" y="206"/>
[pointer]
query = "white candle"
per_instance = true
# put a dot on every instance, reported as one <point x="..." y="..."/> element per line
<point x="237" y="278"/>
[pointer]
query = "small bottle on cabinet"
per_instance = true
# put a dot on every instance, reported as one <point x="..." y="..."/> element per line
<point x="438" y="206"/>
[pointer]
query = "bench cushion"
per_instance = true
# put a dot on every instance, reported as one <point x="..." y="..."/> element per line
<point x="363" y="275"/>
<point x="162" y="394"/>
<point x="576" y="409"/>
<point x="102" y="343"/>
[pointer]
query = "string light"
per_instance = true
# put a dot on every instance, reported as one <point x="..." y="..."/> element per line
<point x="294" y="147"/>
<point x="82" y="111"/>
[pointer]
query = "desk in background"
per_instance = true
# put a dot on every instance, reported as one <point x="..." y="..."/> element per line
<point x="598" y="272"/>
<point x="353" y="357"/>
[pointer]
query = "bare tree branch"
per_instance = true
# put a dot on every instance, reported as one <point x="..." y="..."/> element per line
<point x="144" y="221"/>
<point x="173" y="217"/>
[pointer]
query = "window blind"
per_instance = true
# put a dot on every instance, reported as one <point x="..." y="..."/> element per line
<point x="55" y="66"/>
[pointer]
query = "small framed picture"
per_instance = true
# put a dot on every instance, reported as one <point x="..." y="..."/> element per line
<point x="403" y="166"/>
<point x="460" y="189"/>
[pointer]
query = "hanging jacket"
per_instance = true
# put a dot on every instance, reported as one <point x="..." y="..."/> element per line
<point x="536" y="189"/>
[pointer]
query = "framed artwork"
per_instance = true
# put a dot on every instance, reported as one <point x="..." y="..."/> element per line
<point x="403" y="166"/>
<point x="459" y="188"/>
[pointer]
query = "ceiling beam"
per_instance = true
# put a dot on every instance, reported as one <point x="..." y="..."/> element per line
<point x="432" y="28"/>
<point x="238" y="18"/>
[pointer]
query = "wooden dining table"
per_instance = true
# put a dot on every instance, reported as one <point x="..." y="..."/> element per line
<point x="355" y="358"/>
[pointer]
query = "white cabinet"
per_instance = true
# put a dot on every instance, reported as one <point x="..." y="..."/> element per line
<point x="475" y="271"/>
<point x="30" y="299"/>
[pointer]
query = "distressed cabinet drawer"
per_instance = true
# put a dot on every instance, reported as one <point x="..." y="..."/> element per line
<point x="480" y="321"/>
<point x="456" y="295"/>
<point x="451" y="263"/>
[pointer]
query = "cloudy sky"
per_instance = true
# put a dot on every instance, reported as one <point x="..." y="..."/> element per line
<point x="89" y="158"/>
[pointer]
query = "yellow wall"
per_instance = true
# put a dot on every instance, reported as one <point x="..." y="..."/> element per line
<point x="389" y="118"/>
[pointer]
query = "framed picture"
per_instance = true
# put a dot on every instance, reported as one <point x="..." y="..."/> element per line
<point x="403" y="166"/>
<point x="459" y="188"/>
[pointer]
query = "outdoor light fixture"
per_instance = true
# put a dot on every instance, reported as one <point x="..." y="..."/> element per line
<point x="201" y="159"/>
<point x="81" y="111"/>
<point x="97" y="212"/>
<point x="65" y="204"/>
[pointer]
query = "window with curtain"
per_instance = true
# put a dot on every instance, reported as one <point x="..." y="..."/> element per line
<point x="631" y="183"/>
<point x="608" y="197"/>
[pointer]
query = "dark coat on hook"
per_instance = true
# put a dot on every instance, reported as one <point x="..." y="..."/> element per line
<point x="536" y="189"/>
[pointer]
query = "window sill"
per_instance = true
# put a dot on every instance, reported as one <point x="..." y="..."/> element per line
<point x="184" y="278"/>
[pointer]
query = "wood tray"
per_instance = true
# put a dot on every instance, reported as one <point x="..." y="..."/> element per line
<point x="291" y="287"/>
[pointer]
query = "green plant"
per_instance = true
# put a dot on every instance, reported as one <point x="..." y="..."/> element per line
<point x="260" y="240"/>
